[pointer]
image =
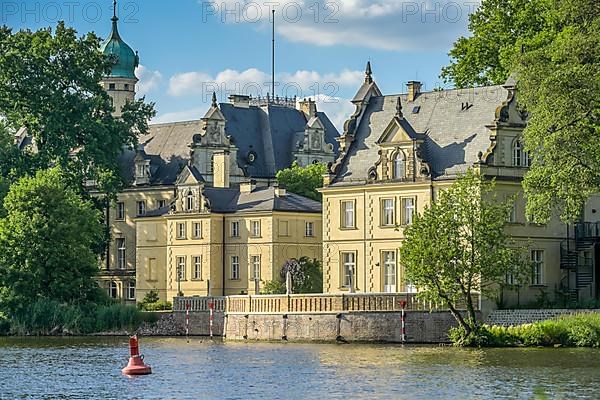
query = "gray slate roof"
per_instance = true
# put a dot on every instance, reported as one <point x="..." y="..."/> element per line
<point x="453" y="137"/>
<point x="230" y="200"/>
<point x="271" y="132"/>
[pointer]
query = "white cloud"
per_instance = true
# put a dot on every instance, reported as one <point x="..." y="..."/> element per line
<point x="378" y="24"/>
<point x="337" y="109"/>
<point x="184" y="115"/>
<point x="252" y="81"/>
<point x="148" y="80"/>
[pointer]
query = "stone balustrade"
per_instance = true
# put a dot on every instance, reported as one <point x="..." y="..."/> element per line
<point x="197" y="303"/>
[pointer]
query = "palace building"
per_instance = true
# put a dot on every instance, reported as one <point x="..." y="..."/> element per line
<point x="201" y="193"/>
<point x="398" y="151"/>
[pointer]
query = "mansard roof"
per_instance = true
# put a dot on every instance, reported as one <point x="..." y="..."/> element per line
<point x="261" y="199"/>
<point x="452" y="124"/>
<point x="270" y="132"/>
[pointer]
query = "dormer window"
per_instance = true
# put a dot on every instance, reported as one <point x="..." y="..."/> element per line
<point x="140" y="171"/>
<point x="398" y="166"/>
<point x="190" y="201"/>
<point x="520" y="157"/>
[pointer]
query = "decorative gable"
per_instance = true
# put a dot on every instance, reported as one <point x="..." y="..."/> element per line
<point x="189" y="191"/>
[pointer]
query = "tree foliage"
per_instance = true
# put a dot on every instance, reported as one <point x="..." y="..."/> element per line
<point x="46" y="243"/>
<point x="307" y="275"/>
<point x="559" y="85"/>
<point x="50" y="84"/>
<point x="458" y="245"/>
<point x="303" y="180"/>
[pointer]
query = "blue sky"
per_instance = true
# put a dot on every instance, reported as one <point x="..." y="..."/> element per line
<point x="190" y="47"/>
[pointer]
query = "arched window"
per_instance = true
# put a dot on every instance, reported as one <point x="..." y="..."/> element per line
<point x="520" y="158"/>
<point x="113" y="290"/>
<point x="398" y="166"/>
<point x="190" y="201"/>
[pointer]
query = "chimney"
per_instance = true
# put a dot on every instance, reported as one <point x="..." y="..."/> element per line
<point x="221" y="169"/>
<point x="308" y="107"/>
<point x="279" y="190"/>
<point x="248" y="187"/>
<point x="240" y="100"/>
<point x="414" y="90"/>
<point x="328" y="178"/>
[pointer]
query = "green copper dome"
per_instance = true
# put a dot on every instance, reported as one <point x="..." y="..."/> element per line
<point x="122" y="56"/>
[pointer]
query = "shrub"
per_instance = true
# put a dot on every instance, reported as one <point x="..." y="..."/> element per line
<point x="273" y="287"/>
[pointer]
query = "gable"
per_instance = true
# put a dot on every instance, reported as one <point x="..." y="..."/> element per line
<point x="397" y="131"/>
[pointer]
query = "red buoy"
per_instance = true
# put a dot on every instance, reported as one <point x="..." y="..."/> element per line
<point x="136" y="364"/>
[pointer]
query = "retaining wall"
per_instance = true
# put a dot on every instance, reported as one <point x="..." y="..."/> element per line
<point x="173" y="324"/>
<point x="421" y="327"/>
<point x="518" y="317"/>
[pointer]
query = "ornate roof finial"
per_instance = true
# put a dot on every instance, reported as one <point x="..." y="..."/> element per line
<point x="214" y="99"/>
<point x="368" y="73"/>
<point x="399" y="108"/>
<point x="115" y="18"/>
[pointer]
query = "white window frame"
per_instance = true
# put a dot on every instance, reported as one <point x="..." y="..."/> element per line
<point x="130" y="290"/>
<point x="309" y="229"/>
<point x="181" y="273"/>
<point x="537" y="267"/>
<point x="348" y="214"/>
<point x="181" y="230"/>
<point x="189" y="201"/>
<point x="520" y="158"/>
<point x="235" y="228"/>
<point x="255" y="228"/>
<point x="140" y="207"/>
<point x="348" y="267"/>
<point x="112" y="286"/>
<point x="121" y="246"/>
<point x="197" y="268"/>
<point x="255" y="265"/>
<point x="140" y="171"/>
<point x="388" y="214"/>
<point x="390" y="271"/>
<point x="197" y="227"/>
<point x="235" y="268"/>
<point x="408" y="210"/>
<point x="398" y="166"/>
<point x="120" y="211"/>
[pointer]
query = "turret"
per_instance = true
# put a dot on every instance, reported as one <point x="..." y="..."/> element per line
<point x="120" y="83"/>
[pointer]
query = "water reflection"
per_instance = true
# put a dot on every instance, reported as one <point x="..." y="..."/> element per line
<point x="90" y="368"/>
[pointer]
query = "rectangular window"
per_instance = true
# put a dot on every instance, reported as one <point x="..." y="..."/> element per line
<point x="283" y="228"/>
<point x="197" y="230"/>
<point x="181" y="234"/>
<point x="537" y="273"/>
<point x="162" y="203"/>
<point x="181" y="268"/>
<point x="235" y="229"/>
<point x="512" y="216"/>
<point x="197" y="267"/>
<point x="387" y="212"/>
<point x="235" y="267"/>
<point x="121" y="261"/>
<point x="408" y="206"/>
<point x="255" y="265"/>
<point x="130" y="290"/>
<point x="120" y="211"/>
<point x="348" y="214"/>
<point x="140" y="170"/>
<point x="111" y="86"/>
<point x="152" y="269"/>
<point x="141" y="208"/>
<point x="389" y="271"/>
<point x="510" y="279"/>
<point x="309" y="230"/>
<point x="348" y="269"/>
<point x="255" y="228"/>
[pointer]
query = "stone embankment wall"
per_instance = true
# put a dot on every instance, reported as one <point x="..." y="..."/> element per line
<point x="518" y="317"/>
<point x="173" y="324"/>
<point x="421" y="327"/>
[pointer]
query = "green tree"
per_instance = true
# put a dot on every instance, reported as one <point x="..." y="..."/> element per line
<point x="559" y="85"/>
<point x="497" y="26"/>
<point x="458" y="245"/>
<point x="303" y="181"/>
<point x="50" y="84"/>
<point x="46" y="242"/>
<point x="307" y="275"/>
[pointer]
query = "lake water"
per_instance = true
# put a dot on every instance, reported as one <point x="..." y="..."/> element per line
<point x="83" y="368"/>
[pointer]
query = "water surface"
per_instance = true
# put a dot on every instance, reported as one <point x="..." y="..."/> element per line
<point x="82" y="368"/>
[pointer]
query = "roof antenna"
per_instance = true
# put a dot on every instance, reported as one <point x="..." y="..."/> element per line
<point x="273" y="58"/>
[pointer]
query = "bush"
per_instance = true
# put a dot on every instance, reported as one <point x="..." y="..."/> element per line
<point x="273" y="287"/>
<point x="581" y="330"/>
<point x="160" y="305"/>
<point x="49" y="317"/>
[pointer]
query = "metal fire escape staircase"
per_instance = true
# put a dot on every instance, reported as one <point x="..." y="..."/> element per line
<point x="587" y="234"/>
